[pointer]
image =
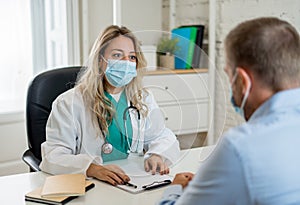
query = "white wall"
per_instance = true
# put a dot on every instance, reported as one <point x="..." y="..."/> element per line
<point x="100" y="16"/>
<point x="230" y="13"/>
<point x="143" y="16"/>
<point x="12" y="143"/>
<point x="137" y="15"/>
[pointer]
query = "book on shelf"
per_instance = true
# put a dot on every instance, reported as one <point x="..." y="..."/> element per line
<point x="198" y="45"/>
<point x="182" y="54"/>
<point x="190" y="45"/>
<point x="188" y="64"/>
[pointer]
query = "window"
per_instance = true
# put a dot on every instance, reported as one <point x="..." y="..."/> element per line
<point x="16" y="55"/>
<point x="56" y="33"/>
<point x="62" y="33"/>
<point x="35" y="35"/>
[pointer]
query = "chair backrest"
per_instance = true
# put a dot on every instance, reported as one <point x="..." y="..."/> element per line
<point x="42" y="91"/>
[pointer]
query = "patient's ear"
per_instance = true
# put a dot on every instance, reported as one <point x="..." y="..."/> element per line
<point x="246" y="78"/>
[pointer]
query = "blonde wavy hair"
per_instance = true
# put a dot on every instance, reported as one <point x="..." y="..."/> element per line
<point x="91" y="81"/>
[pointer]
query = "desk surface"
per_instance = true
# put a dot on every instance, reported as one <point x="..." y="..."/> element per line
<point x="13" y="188"/>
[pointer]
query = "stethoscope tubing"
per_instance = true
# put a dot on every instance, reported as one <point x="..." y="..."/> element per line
<point x="127" y="110"/>
<point x="107" y="148"/>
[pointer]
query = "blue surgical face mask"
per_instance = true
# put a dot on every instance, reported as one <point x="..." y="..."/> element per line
<point x="239" y="109"/>
<point x="120" y="72"/>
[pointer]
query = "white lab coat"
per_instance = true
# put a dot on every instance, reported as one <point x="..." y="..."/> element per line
<point x="73" y="143"/>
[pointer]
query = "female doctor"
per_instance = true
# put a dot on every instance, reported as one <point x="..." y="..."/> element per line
<point x="107" y="116"/>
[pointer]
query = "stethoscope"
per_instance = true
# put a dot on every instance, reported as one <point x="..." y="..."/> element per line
<point x="107" y="147"/>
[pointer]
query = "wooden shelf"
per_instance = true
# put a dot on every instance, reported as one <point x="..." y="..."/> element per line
<point x="176" y="71"/>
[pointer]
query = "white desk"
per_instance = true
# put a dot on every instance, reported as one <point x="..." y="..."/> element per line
<point x="13" y="188"/>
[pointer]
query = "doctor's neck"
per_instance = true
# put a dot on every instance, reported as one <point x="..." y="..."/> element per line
<point x="113" y="90"/>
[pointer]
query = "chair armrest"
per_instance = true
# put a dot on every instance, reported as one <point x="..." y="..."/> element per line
<point x="31" y="161"/>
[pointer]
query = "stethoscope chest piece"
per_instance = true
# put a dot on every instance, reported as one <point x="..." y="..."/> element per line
<point x="107" y="148"/>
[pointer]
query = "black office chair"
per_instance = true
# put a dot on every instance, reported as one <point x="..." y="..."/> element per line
<point x="42" y="91"/>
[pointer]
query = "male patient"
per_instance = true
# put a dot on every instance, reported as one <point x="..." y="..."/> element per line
<point x="257" y="162"/>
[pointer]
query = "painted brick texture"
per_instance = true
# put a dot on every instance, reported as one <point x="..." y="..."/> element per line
<point x="228" y="14"/>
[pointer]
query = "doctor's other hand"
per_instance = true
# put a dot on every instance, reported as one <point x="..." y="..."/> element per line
<point x="108" y="173"/>
<point x="156" y="164"/>
<point x="183" y="179"/>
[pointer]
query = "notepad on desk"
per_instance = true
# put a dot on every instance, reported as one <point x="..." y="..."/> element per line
<point x="60" y="189"/>
<point x="64" y="185"/>
<point x="35" y="196"/>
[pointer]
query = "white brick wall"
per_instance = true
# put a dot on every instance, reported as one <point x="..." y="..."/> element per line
<point x="232" y="12"/>
<point x="187" y="12"/>
<point x="229" y="14"/>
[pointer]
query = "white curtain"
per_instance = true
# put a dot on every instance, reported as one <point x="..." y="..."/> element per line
<point x="16" y="53"/>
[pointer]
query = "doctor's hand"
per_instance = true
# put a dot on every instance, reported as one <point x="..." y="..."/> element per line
<point x="108" y="173"/>
<point x="156" y="164"/>
<point x="183" y="178"/>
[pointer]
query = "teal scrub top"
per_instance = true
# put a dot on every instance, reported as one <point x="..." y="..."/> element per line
<point x="116" y="130"/>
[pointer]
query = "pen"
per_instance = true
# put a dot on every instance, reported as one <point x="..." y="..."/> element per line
<point x="132" y="185"/>
<point x="161" y="184"/>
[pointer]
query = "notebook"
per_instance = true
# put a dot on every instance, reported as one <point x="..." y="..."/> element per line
<point x="64" y="185"/>
<point x="35" y="196"/>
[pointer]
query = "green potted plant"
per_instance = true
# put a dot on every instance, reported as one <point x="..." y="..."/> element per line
<point x="166" y="49"/>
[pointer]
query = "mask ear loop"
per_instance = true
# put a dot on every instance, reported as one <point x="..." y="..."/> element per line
<point x="234" y="78"/>
<point x="101" y="71"/>
<point x="247" y="93"/>
<point x="106" y="61"/>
